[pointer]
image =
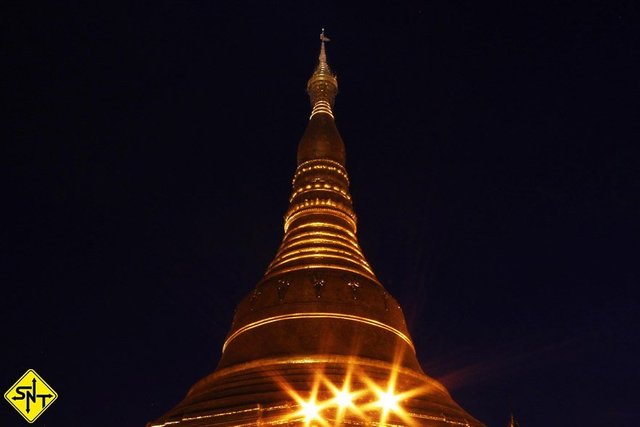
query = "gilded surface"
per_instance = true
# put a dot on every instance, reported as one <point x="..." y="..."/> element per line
<point x="319" y="341"/>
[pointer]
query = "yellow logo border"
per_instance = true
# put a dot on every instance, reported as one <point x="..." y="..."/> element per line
<point x="8" y="399"/>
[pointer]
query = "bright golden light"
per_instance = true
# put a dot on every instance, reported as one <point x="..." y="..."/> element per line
<point x="354" y="398"/>
<point x="389" y="397"/>
<point x="310" y="410"/>
<point x="388" y="401"/>
<point x="344" y="399"/>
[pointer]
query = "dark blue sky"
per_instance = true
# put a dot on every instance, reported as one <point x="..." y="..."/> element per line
<point x="494" y="157"/>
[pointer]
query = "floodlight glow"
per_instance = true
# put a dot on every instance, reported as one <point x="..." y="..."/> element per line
<point x="343" y="399"/>
<point x="310" y="410"/>
<point x="388" y="401"/>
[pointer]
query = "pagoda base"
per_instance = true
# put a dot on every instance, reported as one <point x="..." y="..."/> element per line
<point x="318" y="390"/>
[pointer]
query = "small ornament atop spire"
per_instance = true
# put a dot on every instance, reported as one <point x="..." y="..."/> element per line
<point x="323" y="37"/>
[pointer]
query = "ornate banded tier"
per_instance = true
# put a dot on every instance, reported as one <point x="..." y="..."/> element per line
<point x="320" y="225"/>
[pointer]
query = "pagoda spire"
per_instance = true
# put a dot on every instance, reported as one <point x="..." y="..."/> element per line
<point x="322" y="87"/>
<point x="320" y="224"/>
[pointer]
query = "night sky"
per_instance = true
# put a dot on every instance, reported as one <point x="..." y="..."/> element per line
<point x="494" y="155"/>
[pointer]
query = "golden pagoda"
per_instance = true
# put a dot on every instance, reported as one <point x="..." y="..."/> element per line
<point x="318" y="341"/>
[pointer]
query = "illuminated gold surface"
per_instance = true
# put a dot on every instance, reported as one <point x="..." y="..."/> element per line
<point x="320" y="211"/>
<point x="296" y="316"/>
<point x="319" y="242"/>
<point x="319" y="266"/>
<point x="321" y="107"/>
<point x="323" y="256"/>
<point x="325" y="236"/>
<point x="317" y="226"/>
<point x="322" y="251"/>
<point x="320" y="187"/>
<point x="321" y="165"/>
<point x="319" y="341"/>
<point x="317" y="359"/>
<point x="311" y="177"/>
<point x="316" y="399"/>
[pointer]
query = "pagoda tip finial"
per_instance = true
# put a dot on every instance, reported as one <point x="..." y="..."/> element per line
<point x="322" y="87"/>
<point x="323" y="54"/>
<point x="324" y="38"/>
